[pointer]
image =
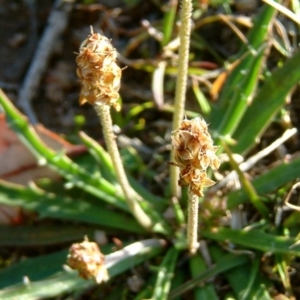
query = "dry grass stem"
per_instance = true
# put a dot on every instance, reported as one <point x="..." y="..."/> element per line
<point x="104" y="113"/>
<point x="192" y="233"/>
<point x="181" y="83"/>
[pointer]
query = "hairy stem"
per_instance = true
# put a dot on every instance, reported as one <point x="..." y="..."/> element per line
<point x="184" y="35"/>
<point x="192" y="230"/>
<point x="103" y="112"/>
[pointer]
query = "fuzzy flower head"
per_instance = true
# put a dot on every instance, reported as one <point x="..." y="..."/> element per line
<point x="98" y="72"/>
<point x="195" y="179"/>
<point x="87" y="259"/>
<point x="194" y="152"/>
<point x="193" y="145"/>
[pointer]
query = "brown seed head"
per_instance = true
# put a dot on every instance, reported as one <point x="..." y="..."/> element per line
<point x="195" y="179"/>
<point x="194" y="152"/>
<point x="87" y="259"/>
<point x="98" y="72"/>
<point x="193" y="145"/>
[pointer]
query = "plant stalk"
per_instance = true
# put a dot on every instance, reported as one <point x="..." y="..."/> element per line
<point x="192" y="229"/>
<point x="103" y="112"/>
<point x="181" y="83"/>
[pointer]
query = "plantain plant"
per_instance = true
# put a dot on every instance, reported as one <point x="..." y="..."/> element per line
<point x="108" y="198"/>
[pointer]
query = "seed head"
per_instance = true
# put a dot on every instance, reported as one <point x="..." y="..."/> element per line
<point x="98" y="72"/>
<point x="194" y="152"/>
<point x="195" y="179"/>
<point x="87" y="259"/>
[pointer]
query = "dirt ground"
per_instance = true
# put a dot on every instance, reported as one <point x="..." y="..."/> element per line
<point x="55" y="99"/>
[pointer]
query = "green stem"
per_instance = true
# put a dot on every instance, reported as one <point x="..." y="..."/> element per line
<point x="103" y="112"/>
<point x="192" y="230"/>
<point x="181" y="83"/>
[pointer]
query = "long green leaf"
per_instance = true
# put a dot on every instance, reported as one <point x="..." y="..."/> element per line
<point x="51" y="205"/>
<point x="92" y="183"/>
<point x="168" y="22"/>
<point x="245" y="280"/>
<point x="56" y="285"/>
<point x="269" y="99"/>
<point x="258" y="35"/>
<point x="268" y="182"/>
<point x="165" y="275"/>
<point x="107" y="171"/>
<point x="255" y="239"/>
<point x="42" y="235"/>
<point x="206" y="291"/>
<point x="64" y="282"/>
<point x="101" y="156"/>
<point x="34" y="268"/>
<point x="242" y="94"/>
<point x="238" y="77"/>
<point x="225" y="264"/>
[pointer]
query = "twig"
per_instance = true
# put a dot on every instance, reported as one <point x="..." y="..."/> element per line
<point x="235" y="29"/>
<point x="56" y="24"/>
<point x="286" y="200"/>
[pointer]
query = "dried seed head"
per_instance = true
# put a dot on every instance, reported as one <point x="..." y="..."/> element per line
<point x="87" y="259"/>
<point x="98" y="72"/>
<point x="194" y="152"/>
<point x="195" y="179"/>
<point x="193" y="145"/>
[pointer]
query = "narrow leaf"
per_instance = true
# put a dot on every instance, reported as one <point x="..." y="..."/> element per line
<point x="270" y="98"/>
<point x="268" y="182"/>
<point x="255" y="239"/>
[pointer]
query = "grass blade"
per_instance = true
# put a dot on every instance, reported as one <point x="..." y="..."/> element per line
<point x="168" y="22"/>
<point x="225" y="264"/>
<point x="64" y="282"/>
<point x="268" y="182"/>
<point x="245" y="280"/>
<point x="42" y="235"/>
<point x="165" y="275"/>
<point x="270" y="98"/>
<point x="248" y="187"/>
<point x="248" y="54"/>
<point x="76" y="176"/>
<point x="51" y="205"/>
<point x="242" y="93"/>
<point x="255" y="239"/>
<point x="206" y="291"/>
